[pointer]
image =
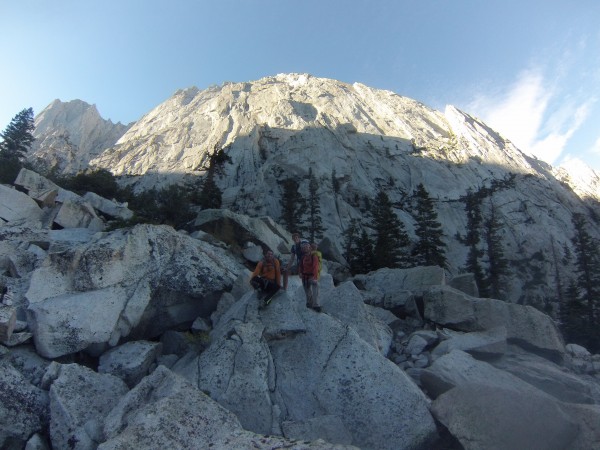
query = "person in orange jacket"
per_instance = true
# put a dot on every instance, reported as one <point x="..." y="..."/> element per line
<point x="309" y="272"/>
<point x="266" y="278"/>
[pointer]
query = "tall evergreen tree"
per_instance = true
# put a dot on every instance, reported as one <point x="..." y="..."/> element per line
<point x="365" y="260"/>
<point x="358" y="248"/>
<point x="572" y="316"/>
<point x="471" y="240"/>
<point x="210" y="196"/>
<point x="391" y="239"/>
<point x="498" y="264"/>
<point x="429" y="249"/>
<point x="350" y="236"/>
<point x="315" y="224"/>
<point x="587" y="262"/>
<point x="292" y="206"/>
<point x="18" y="135"/>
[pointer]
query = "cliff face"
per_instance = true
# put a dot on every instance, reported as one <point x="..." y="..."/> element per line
<point x="68" y="135"/>
<point x="366" y="139"/>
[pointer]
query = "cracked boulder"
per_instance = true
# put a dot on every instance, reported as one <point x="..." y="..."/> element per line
<point x="79" y="401"/>
<point x="315" y="367"/>
<point x="134" y="283"/>
<point x="165" y="411"/>
<point x="525" y="326"/>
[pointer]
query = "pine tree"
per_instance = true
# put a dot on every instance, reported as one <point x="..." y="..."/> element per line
<point x="390" y="235"/>
<point x="350" y="236"/>
<point x="358" y="248"/>
<point x="587" y="262"/>
<point x="429" y="249"/>
<point x="498" y="264"/>
<point x="364" y="261"/>
<point x="210" y="196"/>
<point x="315" y="225"/>
<point x="292" y="205"/>
<point x="572" y="316"/>
<point x="18" y="135"/>
<point x="471" y="240"/>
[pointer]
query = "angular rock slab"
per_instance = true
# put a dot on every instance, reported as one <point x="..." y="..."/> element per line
<point x="130" y="361"/>
<point x="16" y="206"/>
<point x="331" y="371"/>
<point x="134" y="283"/>
<point x="525" y="326"/>
<point x="458" y="368"/>
<point x="396" y="286"/>
<point x="485" y="417"/>
<point x="24" y="408"/>
<point x="164" y="411"/>
<point x="79" y="401"/>
<point x="488" y="343"/>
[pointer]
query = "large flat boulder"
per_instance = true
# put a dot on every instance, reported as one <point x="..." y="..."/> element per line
<point x="24" y="408"/>
<point x="392" y="288"/>
<point x="108" y="207"/>
<point x="136" y="282"/>
<point x="166" y="411"/>
<point x="491" y="417"/>
<point x="16" y="206"/>
<point x="231" y="227"/>
<point x="80" y="399"/>
<point x="278" y="382"/>
<point x="525" y="326"/>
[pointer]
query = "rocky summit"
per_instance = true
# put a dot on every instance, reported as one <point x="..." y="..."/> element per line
<point x="146" y="336"/>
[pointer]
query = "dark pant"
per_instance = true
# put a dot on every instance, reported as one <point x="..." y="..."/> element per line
<point x="265" y="285"/>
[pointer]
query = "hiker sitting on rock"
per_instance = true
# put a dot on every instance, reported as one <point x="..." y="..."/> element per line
<point x="266" y="277"/>
<point x="309" y="272"/>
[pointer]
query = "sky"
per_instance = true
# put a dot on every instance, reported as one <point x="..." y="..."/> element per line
<point x="528" y="68"/>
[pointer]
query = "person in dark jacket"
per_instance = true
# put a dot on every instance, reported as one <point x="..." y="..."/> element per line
<point x="291" y="267"/>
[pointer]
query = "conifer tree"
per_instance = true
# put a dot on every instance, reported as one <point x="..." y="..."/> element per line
<point x="18" y="135"/>
<point x="472" y="238"/>
<point x="315" y="224"/>
<point x="358" y="248"/>
<point x="364" y="261"/>
<point x="429" y="249"/>
<point x="572" y="316"/>
<point x="390" y="237"/>
<point x="350" y="236"/>
<point x="292" y="205"/>
<point x="587" y="263"/>
<point x="498" y="264"/>
<point x="210" y="195"/>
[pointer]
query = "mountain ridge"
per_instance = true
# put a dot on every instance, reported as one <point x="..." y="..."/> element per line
<point x="368" y="139"/>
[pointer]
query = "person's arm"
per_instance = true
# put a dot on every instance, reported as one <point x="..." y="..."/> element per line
<point x="257" y="270"/>
<point x="277" y="273"/>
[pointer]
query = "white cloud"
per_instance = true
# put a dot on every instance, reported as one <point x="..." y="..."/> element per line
<point x="532" y="115"/>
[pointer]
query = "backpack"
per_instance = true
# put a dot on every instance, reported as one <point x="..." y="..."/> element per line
<point x="320" y="259"/>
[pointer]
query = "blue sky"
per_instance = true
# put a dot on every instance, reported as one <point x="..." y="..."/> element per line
<point x="528" y="68"/>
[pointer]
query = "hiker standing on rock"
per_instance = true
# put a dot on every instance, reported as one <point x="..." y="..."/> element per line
<point x="309" y="272"/>
<point x="266" y="277"/>
<point x="291" y="267"/>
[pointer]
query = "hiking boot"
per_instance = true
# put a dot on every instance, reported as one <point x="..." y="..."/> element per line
<point x="316" y="308"/>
